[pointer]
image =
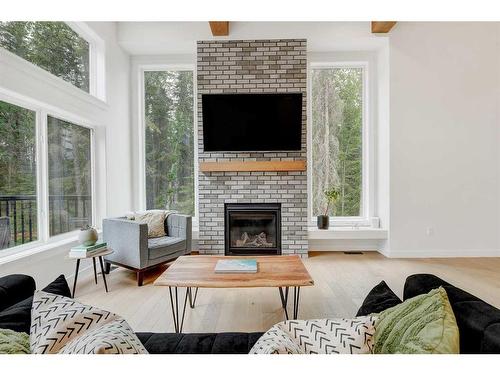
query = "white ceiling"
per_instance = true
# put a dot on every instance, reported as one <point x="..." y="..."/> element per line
<point x="160" y="38"/>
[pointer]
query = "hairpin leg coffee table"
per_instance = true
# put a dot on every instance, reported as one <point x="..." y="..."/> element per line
<point x="197" y="271"/>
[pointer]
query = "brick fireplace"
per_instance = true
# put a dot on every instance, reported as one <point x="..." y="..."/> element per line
<point x="252" y="66"/>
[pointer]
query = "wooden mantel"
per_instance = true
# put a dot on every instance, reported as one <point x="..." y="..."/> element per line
<point x="253" y="166"/>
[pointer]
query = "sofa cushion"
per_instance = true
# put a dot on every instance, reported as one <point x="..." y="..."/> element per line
<point x="424" y="283"/>
<point x="424" y="324"/>
<point x="319" y="336"/>
<point x="12" y="342"/>
<point x="15" y="288"/>
<point x="380" y="298"/>
<point x="198" y="343"/>
<point x="162" y="246"/>
<point x="491" y="339"/>
<point x="473" y="315"/>
<point x="62" y="325"/>
<point x="18" y="316"/>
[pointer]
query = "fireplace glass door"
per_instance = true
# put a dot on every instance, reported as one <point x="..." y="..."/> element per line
<point x="253" y="229"/>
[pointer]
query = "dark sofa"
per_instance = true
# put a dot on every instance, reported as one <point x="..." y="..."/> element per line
<point x="478" y="322"/>
<point x="16" y="298"/>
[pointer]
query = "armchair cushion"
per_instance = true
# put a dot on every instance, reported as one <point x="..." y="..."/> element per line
<point x="161" y="246"/>
<point x="155" y="219"/>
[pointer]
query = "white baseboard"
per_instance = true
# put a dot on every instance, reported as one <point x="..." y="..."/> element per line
<point x="436" y="253"/>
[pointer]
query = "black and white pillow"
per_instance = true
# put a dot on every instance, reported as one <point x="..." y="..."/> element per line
<point x="318" y="336"/>
<point x="63" y="325"/>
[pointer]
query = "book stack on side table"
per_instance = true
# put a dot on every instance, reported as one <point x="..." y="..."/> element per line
<point x="82" y="251"/>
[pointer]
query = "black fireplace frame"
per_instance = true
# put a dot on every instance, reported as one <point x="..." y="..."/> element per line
<point x="254" y="208"/>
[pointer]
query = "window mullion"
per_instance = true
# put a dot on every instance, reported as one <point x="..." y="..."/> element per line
<point x="93" y="195"/>
<point x="42" y="178"/>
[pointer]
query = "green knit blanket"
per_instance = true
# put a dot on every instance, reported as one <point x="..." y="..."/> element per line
<point x="12" y="342"/>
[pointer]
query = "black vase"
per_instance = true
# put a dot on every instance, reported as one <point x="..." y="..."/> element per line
<point x="323" y="221"/>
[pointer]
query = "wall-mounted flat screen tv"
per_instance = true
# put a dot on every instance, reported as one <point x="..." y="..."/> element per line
<point x="252" y="122"/>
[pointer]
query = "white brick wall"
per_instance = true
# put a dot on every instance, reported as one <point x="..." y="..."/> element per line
<point x="245" y="66"/>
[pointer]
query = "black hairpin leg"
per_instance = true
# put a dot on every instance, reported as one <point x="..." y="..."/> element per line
<point x="296" y="294"/>
<point x="192" y="301"/>
<point x="95" y="270"/>
<point x="103" y="274"/>
<point x="174" y="302"/>
<point x="284" y="300"/>
<point x="76" y="277"/>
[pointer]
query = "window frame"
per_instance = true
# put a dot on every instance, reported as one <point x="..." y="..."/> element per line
<point x="365" y="219"/>
<point x="141" y="117"/>
<point x="42" y="175"/>
<point x="97" y="76"/>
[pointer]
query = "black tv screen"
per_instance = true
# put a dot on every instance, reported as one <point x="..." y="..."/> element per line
<point x="252" y="122"/>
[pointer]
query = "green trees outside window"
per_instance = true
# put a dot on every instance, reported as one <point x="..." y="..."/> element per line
<point x="18" y="167"/>
<point x="70" y="188"/>
<point x="69" y="176"/>
<point x="337" y="133"/>
<point x="53" y="46"/>
<point x="169" y="140"/>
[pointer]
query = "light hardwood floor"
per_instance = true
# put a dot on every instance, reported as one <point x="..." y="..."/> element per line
<point x="341" y="283"/>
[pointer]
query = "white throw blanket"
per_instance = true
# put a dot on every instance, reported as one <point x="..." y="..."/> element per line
<point x="318" y="336"/>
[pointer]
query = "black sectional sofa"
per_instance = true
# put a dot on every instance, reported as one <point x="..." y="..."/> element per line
<point x="478" y="322"/>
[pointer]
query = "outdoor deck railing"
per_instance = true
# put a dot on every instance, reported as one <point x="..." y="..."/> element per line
<point x="66" y="213"/>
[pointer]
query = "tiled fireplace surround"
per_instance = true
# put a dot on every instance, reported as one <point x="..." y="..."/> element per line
<point x="252" y="66"/>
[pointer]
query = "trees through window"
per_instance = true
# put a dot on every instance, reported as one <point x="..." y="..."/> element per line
<point x="18" y="167"/>
<point x="68" y="178"/>
<point x="69" y="162"/>
<point x="169" y="140"/>
<point x="337" y="134"/>
<point x="53" y="46"/>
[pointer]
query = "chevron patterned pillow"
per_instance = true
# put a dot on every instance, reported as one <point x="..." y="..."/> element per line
<point x="318" y="336"/>
<point x="63" y="325"/>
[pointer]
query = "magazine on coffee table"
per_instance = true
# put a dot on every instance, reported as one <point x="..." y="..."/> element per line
<point x="236" y="266"/>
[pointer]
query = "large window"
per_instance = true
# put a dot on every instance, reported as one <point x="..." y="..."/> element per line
<point x="18" y="167"/>
<point x="36" y="205"/>
<point x="70" y="205"/>
<point x="53" y="46"/>
<point x="337" y="138"/>
<point x="169" y="140"/>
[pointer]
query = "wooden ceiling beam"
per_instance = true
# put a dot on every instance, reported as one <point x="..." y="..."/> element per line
<point x="219" y="28"/>
<point x="382" y="27"/>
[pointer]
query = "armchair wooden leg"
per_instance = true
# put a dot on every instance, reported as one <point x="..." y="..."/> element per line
<point x="140" y="278"/>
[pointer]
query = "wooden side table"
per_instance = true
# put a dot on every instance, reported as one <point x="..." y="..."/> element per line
<point x="101" y="262"/>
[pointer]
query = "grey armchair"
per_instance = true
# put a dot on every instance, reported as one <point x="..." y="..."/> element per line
<point x="133" y="250"/>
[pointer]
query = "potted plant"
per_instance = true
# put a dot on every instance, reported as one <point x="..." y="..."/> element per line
<point x="332" y="195"/>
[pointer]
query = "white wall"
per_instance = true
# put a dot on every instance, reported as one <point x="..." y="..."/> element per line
<point x="113" y="138"/>
<point x="116" y="120"/>
<point x="444" y="139"/>
<point x="174" y="38"/>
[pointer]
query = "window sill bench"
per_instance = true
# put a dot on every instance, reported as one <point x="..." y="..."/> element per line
<point x="347" y="233"/>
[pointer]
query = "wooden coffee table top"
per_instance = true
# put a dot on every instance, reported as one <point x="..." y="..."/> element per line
<point x="272" y="271"/>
